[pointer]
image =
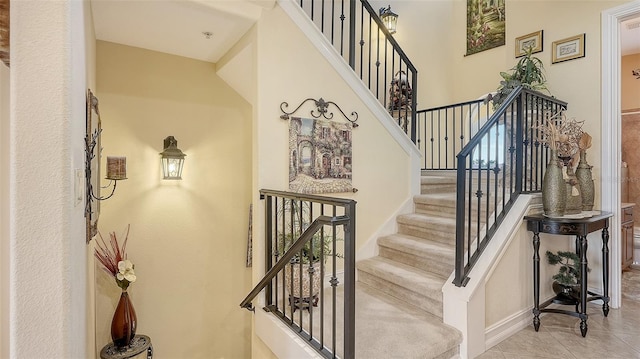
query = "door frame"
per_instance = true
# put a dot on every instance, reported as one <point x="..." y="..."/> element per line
<point x="611" y="156"/>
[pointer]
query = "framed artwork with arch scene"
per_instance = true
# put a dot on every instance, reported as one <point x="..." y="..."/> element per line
<point x="320" y="157"/>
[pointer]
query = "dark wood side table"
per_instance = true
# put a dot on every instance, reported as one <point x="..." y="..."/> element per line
<point x="581" y="227"/>
<point x="139" y="344"/>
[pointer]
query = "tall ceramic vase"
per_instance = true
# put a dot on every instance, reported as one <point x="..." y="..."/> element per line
<point x="554" y="191"/>
<point x="123" y="325"/>
<point x="574" y="192"/>
<point x="585" y="178"/>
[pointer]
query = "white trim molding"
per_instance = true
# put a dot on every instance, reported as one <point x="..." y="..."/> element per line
<point x="611" y="118"/>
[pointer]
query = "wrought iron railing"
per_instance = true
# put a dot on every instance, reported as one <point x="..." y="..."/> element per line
<point x="443" y="131"/>
<point x="309" y="244"/>
<point x="354" y="28"/>
<point x="501" y="161"/>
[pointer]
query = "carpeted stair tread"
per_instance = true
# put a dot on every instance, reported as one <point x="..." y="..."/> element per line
<point x="427" y="255"/>
<point x="409" y="244"/>
<point x="445" y="198"/>
<point x="388" y="328"/>
<point x="437" y="180"/>
<point x="425" y="220"/>
<point x="418" y="281"/>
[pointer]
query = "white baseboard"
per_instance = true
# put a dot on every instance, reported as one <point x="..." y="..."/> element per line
<point x="507" y="327"/>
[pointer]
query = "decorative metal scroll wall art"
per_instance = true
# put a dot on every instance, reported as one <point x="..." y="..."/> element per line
<point x="319" y="150"/>
<point x="321" y="110"/>
<point x="116" y="167"/>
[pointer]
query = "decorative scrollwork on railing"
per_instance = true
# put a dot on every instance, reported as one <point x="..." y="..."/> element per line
<point x="321" y="110"/>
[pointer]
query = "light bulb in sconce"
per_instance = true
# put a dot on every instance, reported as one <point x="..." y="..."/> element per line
<point x="172" y="160"/>
<point x="389" y="18"/>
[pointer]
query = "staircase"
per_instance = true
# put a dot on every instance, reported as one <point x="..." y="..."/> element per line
<point x="413" y="264"/>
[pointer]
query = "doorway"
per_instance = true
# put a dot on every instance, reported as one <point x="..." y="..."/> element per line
<point x="611" y="133"/>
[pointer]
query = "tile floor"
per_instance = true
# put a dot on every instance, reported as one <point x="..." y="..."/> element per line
<point x="616" y="336"/>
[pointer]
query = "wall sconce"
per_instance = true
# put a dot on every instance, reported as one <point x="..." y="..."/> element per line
<point x="172" y="159"/>
<point x="636" y="73"/>
<point x="389" y="19"/>
<point x="116" y="166"/>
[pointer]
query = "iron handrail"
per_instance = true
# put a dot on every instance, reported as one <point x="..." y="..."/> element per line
<point x="517" y="177"/>
<point x="385" y="56"/>
<point x="306" y="236"/>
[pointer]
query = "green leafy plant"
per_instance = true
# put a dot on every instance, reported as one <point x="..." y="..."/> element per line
<point x="295" y="216"/>
<point x="569" y="262"/>
<point x="528" y="73"/>
<point x="320" y="246"/>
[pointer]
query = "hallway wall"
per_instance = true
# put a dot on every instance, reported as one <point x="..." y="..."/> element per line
<point x="188" y="238"/>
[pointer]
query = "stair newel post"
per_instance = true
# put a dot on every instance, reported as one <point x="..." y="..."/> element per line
<point x="350" y="281"/>
<point x="268" y="237"/>
<point x="460" y="219"/>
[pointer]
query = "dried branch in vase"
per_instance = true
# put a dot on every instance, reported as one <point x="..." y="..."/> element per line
<point x="560" y="134"/>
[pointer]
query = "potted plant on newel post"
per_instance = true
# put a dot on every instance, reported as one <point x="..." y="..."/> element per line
<point x="528" y="73"/>
<point x="113" y="258"/>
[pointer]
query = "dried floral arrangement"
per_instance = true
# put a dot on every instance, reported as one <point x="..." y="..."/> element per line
<point x="113" y="258"/>
<point x="563" y="136"/>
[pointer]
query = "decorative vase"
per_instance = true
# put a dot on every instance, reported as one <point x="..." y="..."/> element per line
<point x="554" y="191"/>
<point x="123" y="325"/>
<point x="569" y="291"/>
<point x="574" y="192"/>
<point x="585" y="179"/>
<point x="310" y="279"/>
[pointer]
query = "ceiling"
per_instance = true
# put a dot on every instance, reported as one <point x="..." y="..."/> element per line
<point x="199" y="29"/>
<point x="179" y="27"/>
<point x="630" y="36"/>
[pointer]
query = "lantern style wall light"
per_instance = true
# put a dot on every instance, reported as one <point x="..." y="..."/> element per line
<point x="172" y="159"/>
<point x="389" y="19"/>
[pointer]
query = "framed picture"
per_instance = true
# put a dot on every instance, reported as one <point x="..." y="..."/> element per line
<point x="531" y="41"/>
<point x="568" y="49"/>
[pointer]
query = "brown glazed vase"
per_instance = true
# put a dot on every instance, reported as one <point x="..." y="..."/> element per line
<point x="123" y="325"/>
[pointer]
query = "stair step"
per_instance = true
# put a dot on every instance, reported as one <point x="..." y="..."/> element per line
<point x="415" y="287"/>
<point x="427" y="255"/>
<point x="431" y="184"/>
<point x="443" y="205"/>
<point x="388" y="328"/>
<point x="440" y="229"/>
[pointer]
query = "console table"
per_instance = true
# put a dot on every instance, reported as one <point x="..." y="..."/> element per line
<point x="580" y="227"/>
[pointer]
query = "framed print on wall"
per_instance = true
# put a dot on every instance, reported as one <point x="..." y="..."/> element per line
<point x="568" y="49"/>
<point x="533" y="41"/>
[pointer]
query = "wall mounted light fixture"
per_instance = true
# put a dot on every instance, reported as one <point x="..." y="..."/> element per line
<point x="389" y="18"/>
<point x="172" y="159"/>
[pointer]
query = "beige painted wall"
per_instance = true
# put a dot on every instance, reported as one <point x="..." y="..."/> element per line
<point x="423" y="33"/>
<point x="630" y="85"/>
<point x="291" y="64"/>
<point x="576" y="81"/>
<point x="46" y="118"/>
<point x="188" y="238"/>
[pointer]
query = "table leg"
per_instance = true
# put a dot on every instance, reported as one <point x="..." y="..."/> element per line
<point x="536" y="281"/>
<point x="605" y="268"/>
<point x="583" y="285"/>
<point x="150" y="352"/>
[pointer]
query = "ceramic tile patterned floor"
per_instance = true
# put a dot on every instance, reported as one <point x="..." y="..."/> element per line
<point x="616" y="336"/>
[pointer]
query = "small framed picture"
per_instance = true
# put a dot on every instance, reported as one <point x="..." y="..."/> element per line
<point x="531" y="41"/>
<point x="568" y="49"/>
